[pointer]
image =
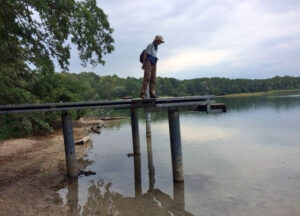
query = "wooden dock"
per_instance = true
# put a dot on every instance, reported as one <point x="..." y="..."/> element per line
<point x="172" y="105"/>
<point x="153" y="105"/>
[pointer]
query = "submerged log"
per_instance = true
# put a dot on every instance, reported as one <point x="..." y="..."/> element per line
<point x="100" y="125"/>
<point x="95" y="129"/>
<point x="83" y="140"/>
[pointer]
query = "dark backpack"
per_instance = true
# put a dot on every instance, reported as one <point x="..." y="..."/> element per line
<point x="141" y="56"/>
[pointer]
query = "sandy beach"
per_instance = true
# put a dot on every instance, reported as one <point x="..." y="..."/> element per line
<point x="33" y="169"/>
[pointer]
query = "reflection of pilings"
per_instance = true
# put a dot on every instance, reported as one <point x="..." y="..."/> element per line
<point x="72" y="198"/>
<point x="69" y="145"/>
<point x="148" y="116"/>
<point x="147" y="91"/>
<point x="175" y="139"/>
<point x="137" y="175"/>
<point x="135" y="131"/>
<point x="137" y="152"/>
<point x="148" y="123"/>
<point x="178" y="190"/>
<point x="151" y="168"/>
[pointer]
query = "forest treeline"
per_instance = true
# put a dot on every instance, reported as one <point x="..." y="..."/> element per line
<point x="87" y="86"/>
<point x="113" y="87"/>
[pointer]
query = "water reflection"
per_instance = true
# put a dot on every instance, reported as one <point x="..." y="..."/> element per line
<point x="274" y="102"/>
<point x="248" y="103"/>
<point x="72" y="198"/>
<point x="151" y="169"/>
<point x="244" y="162"/>
<point x="137" y="175"/>
<point x="102" y="200"/>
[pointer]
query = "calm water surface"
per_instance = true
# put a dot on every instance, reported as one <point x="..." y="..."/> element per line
<point x="243" y="162"/>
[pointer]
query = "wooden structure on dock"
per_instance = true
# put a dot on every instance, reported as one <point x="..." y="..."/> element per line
<point x="172" y="105"/>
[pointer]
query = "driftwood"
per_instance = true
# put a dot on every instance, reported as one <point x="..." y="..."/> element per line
<point x="96" y="128"/>
<point x="111" y="118"/>
<point x="86" y="173"/>
<point x="88" y="121"/>
<point x="100" y="125"/>
<point x="83" y="140"/>
<point x="130" y="155"/>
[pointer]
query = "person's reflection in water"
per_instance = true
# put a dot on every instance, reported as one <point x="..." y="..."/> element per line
<point x="101" y="200"/>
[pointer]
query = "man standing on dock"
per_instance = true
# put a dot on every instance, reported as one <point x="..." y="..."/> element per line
<point x="149" y="60"/>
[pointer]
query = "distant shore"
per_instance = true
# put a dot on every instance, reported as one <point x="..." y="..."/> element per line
<point x="268" y="93"/>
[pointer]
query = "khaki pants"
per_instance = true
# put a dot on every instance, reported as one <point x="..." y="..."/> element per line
<point x="149" y="77"/>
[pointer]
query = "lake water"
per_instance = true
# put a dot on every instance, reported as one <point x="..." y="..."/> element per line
<point x="243" y="162"/>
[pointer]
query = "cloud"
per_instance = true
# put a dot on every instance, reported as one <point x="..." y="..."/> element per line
<point x="229" y="38"/>
<point x="191" y="58"/>
<point x="252" y="31"/>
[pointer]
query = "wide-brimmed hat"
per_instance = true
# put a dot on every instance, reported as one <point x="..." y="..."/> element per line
<point x="160" y="38"/>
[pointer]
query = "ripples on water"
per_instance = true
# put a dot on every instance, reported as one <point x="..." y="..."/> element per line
<point x="243" y="162"/>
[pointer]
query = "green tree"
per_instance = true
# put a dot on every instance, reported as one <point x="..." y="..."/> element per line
<point x="32" y="34"/>
<point x="35" y="31"/>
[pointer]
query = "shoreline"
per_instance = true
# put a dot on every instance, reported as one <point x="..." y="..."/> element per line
<point x="267" y="93"/>
<point x="33" y="170"/>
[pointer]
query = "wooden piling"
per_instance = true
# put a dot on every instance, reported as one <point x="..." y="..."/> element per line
<point x="176" y="152"/>
<point x="135" y="131"/>
<point x="137" y="175"/>
<point x="70" y="153"/>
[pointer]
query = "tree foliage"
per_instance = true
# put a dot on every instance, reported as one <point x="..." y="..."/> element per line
<point x="32" y="35"/>
<point x="114" y="87"/>
<point x="35" y="31"/>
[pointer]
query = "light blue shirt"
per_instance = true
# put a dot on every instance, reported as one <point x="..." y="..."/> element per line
<point x="151" y="50"/>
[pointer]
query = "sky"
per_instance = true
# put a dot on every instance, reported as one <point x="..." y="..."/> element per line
<point x="253" y="39"/>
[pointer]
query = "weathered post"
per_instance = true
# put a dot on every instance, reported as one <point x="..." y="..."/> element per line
<point x="135" y="131"/>
<point x="69" y="145"/>
<point x="137" y="175"/>
<point x="175" y="139"/>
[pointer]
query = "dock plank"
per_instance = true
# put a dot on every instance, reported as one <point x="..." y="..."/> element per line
<point x="158" y="104"/>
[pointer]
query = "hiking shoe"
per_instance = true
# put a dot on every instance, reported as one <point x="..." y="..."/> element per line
<point x="143" y="96"/>
<point x="153" y="96"/>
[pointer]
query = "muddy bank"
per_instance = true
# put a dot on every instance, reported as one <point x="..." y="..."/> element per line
<point x="33" y="169"/>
